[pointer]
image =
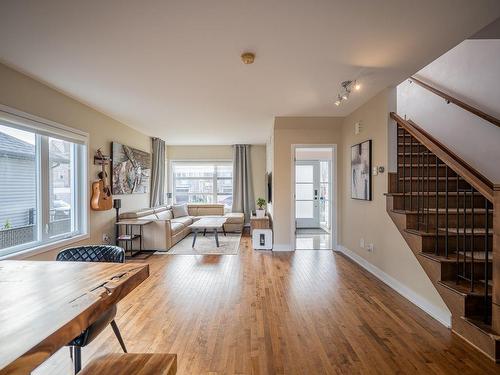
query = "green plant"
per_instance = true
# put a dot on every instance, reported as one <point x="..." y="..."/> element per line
<point x="261" y="202"/>
<point x="7" y="224"/>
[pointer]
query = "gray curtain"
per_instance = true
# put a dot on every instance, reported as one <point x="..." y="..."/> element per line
<point x="243" y="198"/>
<point x="157" y="195"/>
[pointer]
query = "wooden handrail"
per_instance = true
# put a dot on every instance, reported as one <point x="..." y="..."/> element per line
<point x="458" y="165"/>
<point x="461" y="104"/>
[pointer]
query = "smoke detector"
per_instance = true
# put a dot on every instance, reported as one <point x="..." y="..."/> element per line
<point x="248" y="58"/>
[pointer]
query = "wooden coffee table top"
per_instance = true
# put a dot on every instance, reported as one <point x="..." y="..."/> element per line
<point x="209" y="222"/>
<point x="44" y="305"/>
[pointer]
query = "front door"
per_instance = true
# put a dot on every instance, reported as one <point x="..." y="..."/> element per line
<point x="307" y="185"/>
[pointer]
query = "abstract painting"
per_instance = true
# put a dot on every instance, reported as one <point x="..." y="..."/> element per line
<point x="131" y="170"/>
<point x="361" y="165"/>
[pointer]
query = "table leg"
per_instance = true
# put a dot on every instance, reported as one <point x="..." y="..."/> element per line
<point x="126" y="242"/>
<point x="140" y="238"/>
<point x="216" y="237"/>
<point x="194" y="236"/>
<point x="204" y="232"/>
<point x="224" y="230"/>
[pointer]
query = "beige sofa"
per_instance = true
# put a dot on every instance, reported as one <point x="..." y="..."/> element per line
<point x="165" y="231"/>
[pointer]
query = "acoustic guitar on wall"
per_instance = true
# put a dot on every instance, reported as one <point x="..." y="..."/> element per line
<point x="102" y="199"/>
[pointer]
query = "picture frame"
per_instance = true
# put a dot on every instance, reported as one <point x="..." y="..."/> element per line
<point x="361" y="166"/>
<point x="131" y="170"/>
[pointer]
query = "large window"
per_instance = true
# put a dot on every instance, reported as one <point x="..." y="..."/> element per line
<point x="42" y="183"/>
<point x="203" y="182"/>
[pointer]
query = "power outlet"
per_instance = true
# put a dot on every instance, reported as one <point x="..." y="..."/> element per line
<point x="106" y="239"/>
<point x="362" y="243"/>
<point x="370" y="248"/>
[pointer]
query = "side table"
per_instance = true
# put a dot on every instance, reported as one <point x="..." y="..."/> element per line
<point x="259" y="223"/>
<point x="129" y="236"/>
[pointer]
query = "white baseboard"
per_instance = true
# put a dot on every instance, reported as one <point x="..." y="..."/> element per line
<point x="437" y="313"/>
<point x="282" y="247"/>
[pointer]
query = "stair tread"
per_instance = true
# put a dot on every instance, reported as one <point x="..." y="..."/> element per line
<point x="414" y="153"/>
<point x="451" y="211"/>
<point x="442" y="232"/>
<point x="478" y="231"/>
<point x="452" y="257"/>
<point x="441" y="178"/>
<point x="463" y="287"/>
<point x="415" y="193"/>
<point x="479" y="256"/>
<point x="421" y="165"/>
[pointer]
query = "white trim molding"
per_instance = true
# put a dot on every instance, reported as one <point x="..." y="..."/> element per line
<point x="443" y="317"/>
<point x="282" y="247"/>
<point x="334" y="192"/>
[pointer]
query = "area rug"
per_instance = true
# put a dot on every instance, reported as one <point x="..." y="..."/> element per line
<point x="205" y="245"/>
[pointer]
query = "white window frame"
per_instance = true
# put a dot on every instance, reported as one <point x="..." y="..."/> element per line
<point x="215" y="179"/>
<point x="44" y="129"/>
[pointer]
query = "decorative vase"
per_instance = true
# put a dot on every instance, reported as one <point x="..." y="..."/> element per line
<point x="260" y="213"/>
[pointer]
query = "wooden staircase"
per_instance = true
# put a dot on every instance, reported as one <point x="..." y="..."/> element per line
<point x="444" y="210"/>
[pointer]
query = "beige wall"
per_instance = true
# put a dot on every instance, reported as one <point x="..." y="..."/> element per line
<point x="369" y="220"/>
<point x="223" y="152"/>
<point x="23" y="93"/>
<point x="288" y="131"/>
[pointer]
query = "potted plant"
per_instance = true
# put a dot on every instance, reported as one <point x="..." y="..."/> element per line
<point x="261" y="211"/>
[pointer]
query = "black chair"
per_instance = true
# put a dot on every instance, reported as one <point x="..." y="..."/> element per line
<point x="93" y="253"/>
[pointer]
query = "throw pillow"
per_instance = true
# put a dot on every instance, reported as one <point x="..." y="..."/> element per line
<point x="180" y="210"/>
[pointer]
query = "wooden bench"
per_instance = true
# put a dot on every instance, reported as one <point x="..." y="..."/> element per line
<point x="132" y="364"/>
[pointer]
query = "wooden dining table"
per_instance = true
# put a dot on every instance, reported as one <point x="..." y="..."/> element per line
<point x="44" y="305"/>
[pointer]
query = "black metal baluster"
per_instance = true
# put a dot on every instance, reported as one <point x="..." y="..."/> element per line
<point x="464" y="237"/>
<point x="457" y="240"/>
<point x="446" y="213"/>
<point x="427" y="187"/>
<point x="397" y="151"/>
<point x="404" y="171"/>
<point x="418" y="187"/>
<point x="436" y="215"/>
<point x="411" y="173"/>
<point x="472" y="240"/>
<point x="486" y="273"/>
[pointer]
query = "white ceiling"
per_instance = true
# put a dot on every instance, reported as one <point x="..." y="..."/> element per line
<point x="172" y="68"/>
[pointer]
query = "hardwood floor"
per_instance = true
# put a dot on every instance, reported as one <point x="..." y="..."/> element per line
<point x="279" y="313"/>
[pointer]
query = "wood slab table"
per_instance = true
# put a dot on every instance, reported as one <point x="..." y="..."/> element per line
<point x="44" y="305"/>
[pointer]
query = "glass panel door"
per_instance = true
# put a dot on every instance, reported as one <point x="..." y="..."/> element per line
<point x="306" y="194"/>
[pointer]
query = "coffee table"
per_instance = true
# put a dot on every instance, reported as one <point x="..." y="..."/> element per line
<point x="210" y="223"/>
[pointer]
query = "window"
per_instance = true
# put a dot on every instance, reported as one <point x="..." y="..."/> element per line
<point x="203" y="182"/>
<point x="42" y="182"/>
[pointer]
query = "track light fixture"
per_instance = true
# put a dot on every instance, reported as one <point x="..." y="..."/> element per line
<point x="346" y="89"/>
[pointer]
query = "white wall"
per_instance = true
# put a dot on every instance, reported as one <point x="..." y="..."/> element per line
<point x="287" y="132"/>
<point x="391" y="259"/>
<point x="470" y="72"/>
<point x="26" y="94"/>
